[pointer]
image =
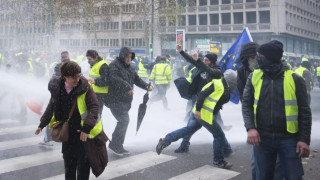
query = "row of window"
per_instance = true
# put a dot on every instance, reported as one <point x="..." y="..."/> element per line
<point x="190" y="3"/>
<point x="214" y="19"/>
<point x="312" y="14"/>
<point x="304" y="6"/>
<point x="133" y="43"/>
<point x="130" y="25"/>
<point x="137" y="42"/>
<point x="89" y="42"/>
<point x="300" y="21"/>
<point x="103" y="26"/>
<point x="6" y="30"/>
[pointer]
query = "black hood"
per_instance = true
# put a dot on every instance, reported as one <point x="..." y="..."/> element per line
<point x="124" y="53"/>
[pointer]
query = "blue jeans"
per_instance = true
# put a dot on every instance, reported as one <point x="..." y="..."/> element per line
<point x="266" y="156"/>
<point x="255" y="171"/>
<point x="220" y="143"/>
<point x="185" y="133"/>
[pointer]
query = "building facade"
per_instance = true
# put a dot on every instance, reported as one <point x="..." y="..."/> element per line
<point x="296" y="23"/>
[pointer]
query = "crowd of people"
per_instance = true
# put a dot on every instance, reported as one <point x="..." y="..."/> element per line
<point x="274" y="93"/>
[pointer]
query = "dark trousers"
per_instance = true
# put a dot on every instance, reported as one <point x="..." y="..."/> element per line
<point x="76" y="167"/>
<point x="120" y="131"/>
<point x="266" y="156"/>
<point x="161" y="94"/>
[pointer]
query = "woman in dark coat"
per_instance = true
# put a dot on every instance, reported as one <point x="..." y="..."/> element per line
<point x="64" y="90"/>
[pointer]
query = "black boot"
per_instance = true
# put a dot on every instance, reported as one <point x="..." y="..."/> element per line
<point x="184" y="147"/>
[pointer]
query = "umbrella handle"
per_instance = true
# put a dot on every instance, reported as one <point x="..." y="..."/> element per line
<point x="148" y="87"/>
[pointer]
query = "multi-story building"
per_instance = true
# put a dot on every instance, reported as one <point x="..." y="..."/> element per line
<point x="112" y="26"/>
<point x="23" y="25"/>
<point x="294" y="22"/>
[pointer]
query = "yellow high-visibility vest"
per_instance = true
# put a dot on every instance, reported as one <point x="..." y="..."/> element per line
<point x="211" y="101"/>
<point x="300" y="71"/>
<point x="94" y="74"/>
<point x="142" y="72"/>
<point x="1" y="58"/>
<point x="318" y="71"/>
<point x="291" y="105"/>
<point x="82" y="107"/>
<point x="161" y="73"/>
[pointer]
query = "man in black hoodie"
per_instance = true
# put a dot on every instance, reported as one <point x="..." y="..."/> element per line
<point x="276" y="114"/>
<point x="122" y="78"/>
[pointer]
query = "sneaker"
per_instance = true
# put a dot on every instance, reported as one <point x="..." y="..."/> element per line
<point x="120" y="151"/>
<point x="183" y="148"/>
<point x="160" y="146"/>
<point x="223" y="164"/>
<point x="49" y="143"/>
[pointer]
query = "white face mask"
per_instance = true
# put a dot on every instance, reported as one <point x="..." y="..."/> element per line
<point x="253" y="65"/>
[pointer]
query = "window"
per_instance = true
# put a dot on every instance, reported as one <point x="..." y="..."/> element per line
<point x="238" y="18"/>
<point x="214" y="19"/>
<point x="182" y="20"/>
<point x="203" y="2"/>
<point x="192" y="2"/>
<point x="250" y="0"/>
<point x="182" y="3"/>
<point x="226" y="1"/>
<point x="192" y="20"/>
<point x="238" y="1"/>
<point x="172" y="21"/>
<point x="214" y="2"/>
<point x="251" y="17"/>
<point x="203" y="20"/>
<point x="264" y="16"/>
<point x="162" y="21"/>
<point x="226" y="18"/>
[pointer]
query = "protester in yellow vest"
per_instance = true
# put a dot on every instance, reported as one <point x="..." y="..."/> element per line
<point x="304" y="71"/>
<point x="142" y="72"/>
<point x="161" y="75"/>
<point x="1" y="59"/>
<point x="276" y="114"/>
<point x="98" y="77"/>
<point x="84" y="124"/>
<point x="318" y="74"/>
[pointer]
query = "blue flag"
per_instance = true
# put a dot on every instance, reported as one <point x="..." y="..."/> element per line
<point x="232" y="61"/>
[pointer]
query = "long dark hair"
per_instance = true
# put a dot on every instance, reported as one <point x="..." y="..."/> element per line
<point x="94" y="54"/>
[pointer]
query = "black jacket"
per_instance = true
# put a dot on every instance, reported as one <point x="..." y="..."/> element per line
<point x="198" y="79"/>
<point x="242" y="77"/>
<point x="122" y="77"/>
<point x="271" y="119"/>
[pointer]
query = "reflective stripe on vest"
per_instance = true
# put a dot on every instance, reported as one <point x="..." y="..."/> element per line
<point x="94" y="74"/>
<point x="161" y="73"/>
<point x="189" y="79"/>
<point x="211" y="101"/>
<point x="142" y="72"/>
<point x="291" y="106"/>
<point x="300" y="71"/>
<point x="82" y="107"/>
<point x="318" y="71"/>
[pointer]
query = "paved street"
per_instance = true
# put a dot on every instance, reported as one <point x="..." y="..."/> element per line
<point x="21" y="158"/>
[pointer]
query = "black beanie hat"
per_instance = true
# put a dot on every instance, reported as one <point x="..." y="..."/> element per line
<point x="248" y="50"/>
<point x="272" y="51"/>
<point x="212" y="57"/>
